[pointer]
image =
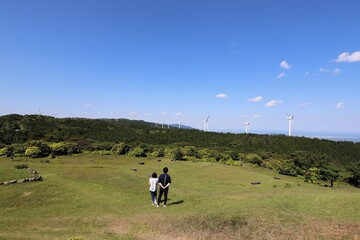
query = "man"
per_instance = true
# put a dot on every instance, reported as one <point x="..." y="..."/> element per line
<point x="164" y="183"/>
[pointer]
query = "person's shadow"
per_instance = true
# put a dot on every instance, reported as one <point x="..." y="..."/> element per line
<point x="177" y="202"/>
<point x="173" y="203"/>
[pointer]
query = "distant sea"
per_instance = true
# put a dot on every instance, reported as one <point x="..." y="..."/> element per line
<point x="349" y="137"/>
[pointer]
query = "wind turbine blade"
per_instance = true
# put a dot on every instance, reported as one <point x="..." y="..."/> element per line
<point x="207" y="118"/>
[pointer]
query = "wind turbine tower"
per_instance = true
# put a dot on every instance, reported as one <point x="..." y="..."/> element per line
<point x="206" y="126"/>
<point x="291" y="122"/>
<point x="179" y="124"/>
<point x="247" y="124"/>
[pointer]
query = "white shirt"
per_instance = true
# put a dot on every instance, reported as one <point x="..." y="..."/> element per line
<point x="153" y="183"/>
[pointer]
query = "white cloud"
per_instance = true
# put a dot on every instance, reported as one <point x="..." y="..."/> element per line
<point x="133" y="114"/>
<point x="179" y="114"/>
<point x="304" y="104"/>
<point x="221" y="95"/>
<point x="147" y="114"/>
<point x="273" y="103"/>
<point x="336" y="71"/>
<point x="233" y="44"/>
<point x="285" y="65"/>
<point x="281" y="75"/>
<point x="163" y="113"/>
<point x="88" y="104"/>
<point x="255" y="99"/>
<point x="323" y="70"/>
<point x="349" y="57"/>
<point x="340" y="105"/>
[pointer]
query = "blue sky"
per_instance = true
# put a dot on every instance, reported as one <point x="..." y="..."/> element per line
<point x="170" y="61"/>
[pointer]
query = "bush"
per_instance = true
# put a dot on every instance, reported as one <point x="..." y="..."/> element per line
<point x="43" y="147"/>
<point x="22" y="166"/>
<point x="120" y="148"/>
<point x="189" y="151"/>
<point x="103" y="146"/>
<point x="4" y="151"/>
<point x="33" y="152"/>
<point x="287" y="167"/>
<point x="105" y="152"/>
<point x="254" y="159"/>
<point x="312" y="175"/>
<point x="273" y="164"/>
<point x="137" y="152"/>
<point x="64" y="148"/>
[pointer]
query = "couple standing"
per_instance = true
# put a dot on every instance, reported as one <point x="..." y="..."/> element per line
<point x="163" y="181"/>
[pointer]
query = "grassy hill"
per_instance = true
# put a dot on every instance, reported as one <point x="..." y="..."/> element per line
<point x="91" y="196"/>
<point x="35" y="135"/>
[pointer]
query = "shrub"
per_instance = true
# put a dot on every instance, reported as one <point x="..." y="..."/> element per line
<point x="287" y="167"/>
<point x="103" y="146"/>
<point x="64" y="148"/>
<point x="273" y="164"/>
<point x="189" y="151"/>
<point x="120" y="148"/>
<point x="137" y="152"/>
<point x="43" y="147"/>
<point x="254" y="159"/>
<point x="105" y="152"/>
<point x="312" y="175"/>
<point x="33" y="152"/>
<point x="4" y="151"/>
<point x="22" y="166"/>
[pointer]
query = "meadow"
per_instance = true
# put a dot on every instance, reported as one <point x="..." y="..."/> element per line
<point x="91" y="196"/>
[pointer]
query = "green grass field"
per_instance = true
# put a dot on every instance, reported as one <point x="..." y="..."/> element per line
<point x="99" y="197"/>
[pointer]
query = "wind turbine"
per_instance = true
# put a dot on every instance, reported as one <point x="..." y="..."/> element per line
<point x="291" y="121"/>
<point x="206" y="126"/>
<point x="247" y="124"/>
<point x="179" y="124"/>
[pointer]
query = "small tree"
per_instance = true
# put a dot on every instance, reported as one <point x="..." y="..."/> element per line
<point x="329" y="174"/>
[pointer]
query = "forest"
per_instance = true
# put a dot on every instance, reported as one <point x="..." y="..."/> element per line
<point x="316" y="160"/>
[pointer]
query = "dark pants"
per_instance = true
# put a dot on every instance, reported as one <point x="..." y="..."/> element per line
<point x="165" y="191"/>
<point x="153" y="196"/>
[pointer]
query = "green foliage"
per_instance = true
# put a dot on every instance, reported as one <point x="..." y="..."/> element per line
<point x="120" y="148"/>
<point x="328" y="173"/>
<point x="64" y="148"/>
<point x="273" y="164"/>
<point x="177" y="154"/>
<point x="33" y="152"/>
<point x="137" y="152"/>
<point x="354" y="170"/>
<point x="21" y="166"/>
<point x="189" y="151"/>
<point x="287" y="167"/>
<point x="103" y="146"/>
<point x="312" y="175"/>
<point x="253" y="158"/>
<point x="105" y="152"/>
<point x="4" y="151"/>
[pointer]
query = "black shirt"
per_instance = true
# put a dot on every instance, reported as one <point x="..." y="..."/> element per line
<point x="164" y="179"/>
